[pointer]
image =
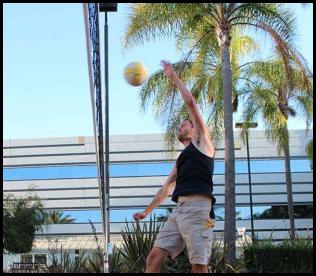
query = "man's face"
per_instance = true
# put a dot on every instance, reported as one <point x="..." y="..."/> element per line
<point x="185" y="131"/>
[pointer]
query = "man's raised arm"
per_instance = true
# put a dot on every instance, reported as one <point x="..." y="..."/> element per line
<point x="193" y="109"/>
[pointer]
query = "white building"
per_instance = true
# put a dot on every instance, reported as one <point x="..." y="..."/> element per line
<point x="63" y="174"/>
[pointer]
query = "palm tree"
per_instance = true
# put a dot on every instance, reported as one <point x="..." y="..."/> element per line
<point x="149" y="21"/>
<point x="204" y="72"/>
<point x="57" y="217"/>
<point x="309" y="150"/>
<point x="280" y="92"/>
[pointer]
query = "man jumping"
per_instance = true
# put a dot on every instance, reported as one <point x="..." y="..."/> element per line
<point x="191" y="186"/>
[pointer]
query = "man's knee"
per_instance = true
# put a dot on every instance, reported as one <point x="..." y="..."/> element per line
<point x="150" y="258"/>
<point x="156" y="256"/>
<point x="199" y="268"/>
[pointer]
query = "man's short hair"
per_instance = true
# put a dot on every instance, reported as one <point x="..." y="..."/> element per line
<point x="188" y="119"/>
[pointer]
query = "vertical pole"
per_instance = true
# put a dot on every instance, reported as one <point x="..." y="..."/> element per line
<point x="107" y="178"/>
<point x="250" y="190"/>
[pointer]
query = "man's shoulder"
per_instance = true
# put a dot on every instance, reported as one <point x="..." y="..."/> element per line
<point x="205" y="145"/>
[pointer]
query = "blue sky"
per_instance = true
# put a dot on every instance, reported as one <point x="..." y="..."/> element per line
<point x="46" y="86"/>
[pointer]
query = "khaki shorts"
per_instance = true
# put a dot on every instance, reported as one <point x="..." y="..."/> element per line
<point x="189" y="224"/>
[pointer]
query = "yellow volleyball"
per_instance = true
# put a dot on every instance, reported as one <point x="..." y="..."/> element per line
<point x="135" y="73"/>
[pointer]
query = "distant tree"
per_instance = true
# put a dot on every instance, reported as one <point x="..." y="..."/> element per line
<point x="56" y="217"/>
<point x="281" y="212"/>
<point x="22" y="217"/>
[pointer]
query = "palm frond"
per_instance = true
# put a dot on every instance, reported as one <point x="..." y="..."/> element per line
<point x="276" y="16"/>
<point x="279" y="23"/>
<point x="275" y="99"/>
<point x="154" y="20"/>
<point x="241" y="45"/>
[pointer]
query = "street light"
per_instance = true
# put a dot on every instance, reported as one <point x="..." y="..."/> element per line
<point x="107" y="7"/>
<point x="248" y="125"/>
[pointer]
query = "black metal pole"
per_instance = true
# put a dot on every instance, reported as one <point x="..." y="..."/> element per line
<point x="250" y="190"/>
<point x="107" y="7"/>
<point x="107" y="161"/>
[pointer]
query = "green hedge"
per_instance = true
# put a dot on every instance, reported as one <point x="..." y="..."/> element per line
<point x="286" y="257"/>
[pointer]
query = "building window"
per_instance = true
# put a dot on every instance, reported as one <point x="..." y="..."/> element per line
<point x="267" y="212"/>
<point x="119" y="215"/>
<point x="76" y="255"/>
<point x="145" y="169"/>
<point x="40" y="259"/>
<point x="281" y="212"/>
<point x="26" y="258"/>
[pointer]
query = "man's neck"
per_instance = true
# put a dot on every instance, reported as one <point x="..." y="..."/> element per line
<point x="186" y="143"/>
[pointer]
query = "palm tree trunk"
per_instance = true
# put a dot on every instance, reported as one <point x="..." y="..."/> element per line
<point x="289" y="184"/>
<point x="230" y="218"/>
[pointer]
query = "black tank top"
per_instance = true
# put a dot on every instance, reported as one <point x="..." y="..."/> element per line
<point x="194" y="174"/>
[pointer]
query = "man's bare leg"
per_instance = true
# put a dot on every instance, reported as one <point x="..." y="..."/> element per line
<point x="199" y="268"/>
<point x="155" y="259"/>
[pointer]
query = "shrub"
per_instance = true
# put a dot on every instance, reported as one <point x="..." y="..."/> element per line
<point x="286" y="257"/>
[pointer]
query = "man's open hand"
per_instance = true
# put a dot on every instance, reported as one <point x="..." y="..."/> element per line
<point x="167" y="69"/>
